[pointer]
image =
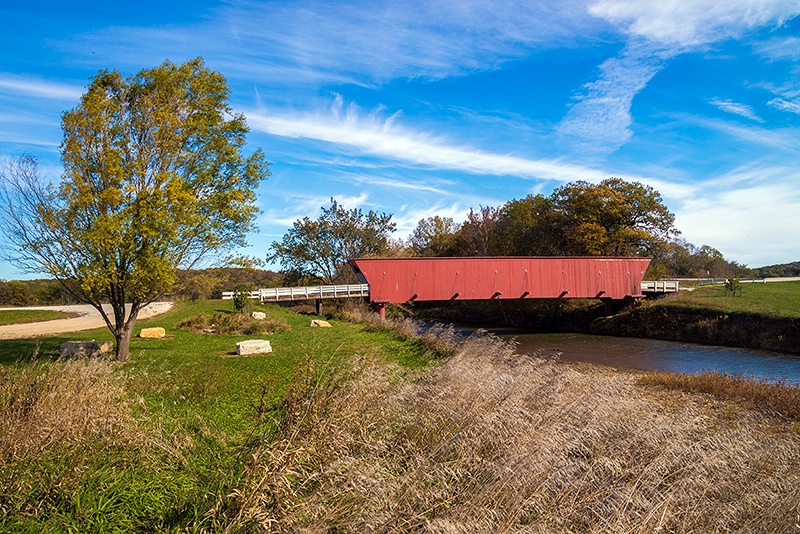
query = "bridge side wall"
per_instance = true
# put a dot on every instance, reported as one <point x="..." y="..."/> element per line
<point x="398" y="280"/>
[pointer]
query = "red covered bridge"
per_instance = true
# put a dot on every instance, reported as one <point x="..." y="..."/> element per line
<point x="399" y="280"/>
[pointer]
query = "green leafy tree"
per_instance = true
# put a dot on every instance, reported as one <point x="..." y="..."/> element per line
<point x="434" y="236"/>
<point x="478" y="235"/>
<point x="16" y="293"/>
<point x="613" y="218"/>
<point x="154" y="180"/>
<point x="317" y="250"/>
<point x="529" y="227"/>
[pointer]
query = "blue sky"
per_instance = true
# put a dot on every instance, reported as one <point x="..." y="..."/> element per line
<point x="430" y="108"/>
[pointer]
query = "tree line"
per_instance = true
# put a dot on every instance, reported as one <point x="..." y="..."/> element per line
<point x="612" y="218"/>
<point x="191" y="284"/>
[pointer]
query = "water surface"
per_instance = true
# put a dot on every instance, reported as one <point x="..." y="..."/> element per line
<point x="657" y="355"/>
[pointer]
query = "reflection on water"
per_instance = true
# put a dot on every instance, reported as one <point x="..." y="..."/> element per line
<point x="655" y="355"/>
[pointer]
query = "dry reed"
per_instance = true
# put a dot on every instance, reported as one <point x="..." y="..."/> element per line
<point x="63" y="403"/>
<point x="783" y="399"/>
<point x="491" y="441"/>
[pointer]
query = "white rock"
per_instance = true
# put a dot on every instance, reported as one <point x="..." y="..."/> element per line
<point x="259" y="315"/>
<point x="253" y="346"/>
<point x="320" y="323"/>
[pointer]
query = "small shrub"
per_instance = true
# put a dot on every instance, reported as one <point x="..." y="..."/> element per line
<point x="232" y="324"/>
<point x="733" y="286"/>
<point x="241" y="299"/>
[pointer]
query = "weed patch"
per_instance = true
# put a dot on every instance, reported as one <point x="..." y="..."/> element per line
<point x="44" y="404"/>
<point x="232" y="324"/>
<point x="782" y="399"/>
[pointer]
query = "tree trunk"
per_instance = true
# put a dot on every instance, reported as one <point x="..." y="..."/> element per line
<point x="123" y="337"/>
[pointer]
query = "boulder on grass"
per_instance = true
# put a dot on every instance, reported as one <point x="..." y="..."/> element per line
<point x="85" y="349"/>
<point x="156" y="332"/>
<point x="320" y="323"/>
<point x="253" y="346"/>
<point x="259" y="315"/>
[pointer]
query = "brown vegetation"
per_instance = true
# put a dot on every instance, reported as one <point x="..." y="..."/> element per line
<point x="227" y="323"/>
<point x="67" y="403"/>
<point x="781" y="399"/>
<point x="492" y="441"/>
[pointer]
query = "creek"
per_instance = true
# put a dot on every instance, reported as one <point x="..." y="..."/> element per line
<point x="655" y="355"/>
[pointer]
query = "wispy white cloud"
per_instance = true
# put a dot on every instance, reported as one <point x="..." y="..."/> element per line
<point x="785" y="139"/>
<point x="736" y="108"/>
<point x="686" y="24"/>
<point x="600" y="120"/>
<point x="296" y="206"/>
<point x="35" y="87"/>
<point x="17" y="138"/>
<point x="388" y="39"/>
<point x="386" y="138"/>
<point x="785" y="48"/>
<point x="785" y="105"/>
<point x="413" y="185"/>
<point x="354" y="42"/>
<point x="408" y="217"/>
<point x="657" y="31"/>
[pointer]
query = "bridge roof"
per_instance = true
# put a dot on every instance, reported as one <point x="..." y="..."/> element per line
<point x="399" y="280"/>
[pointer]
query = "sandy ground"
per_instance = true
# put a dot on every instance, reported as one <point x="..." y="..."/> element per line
<point x="88" y="320"/>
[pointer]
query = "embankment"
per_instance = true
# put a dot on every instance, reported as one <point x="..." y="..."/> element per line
<point x="650" y="319"/>
<point x="707" y="326"/>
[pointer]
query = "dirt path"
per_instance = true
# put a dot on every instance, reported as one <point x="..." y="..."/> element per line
<point x="88" y="320"/>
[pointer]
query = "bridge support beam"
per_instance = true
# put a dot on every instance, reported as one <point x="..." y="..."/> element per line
<point x="319" y="307"/>
<point x="379" y="308"/>
<point x="609" y="306"/>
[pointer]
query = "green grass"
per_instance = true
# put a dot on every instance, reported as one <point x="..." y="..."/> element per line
<point x="777" y="299"/>
<point x="191" y="412"/>
<point x="12" y="316"/>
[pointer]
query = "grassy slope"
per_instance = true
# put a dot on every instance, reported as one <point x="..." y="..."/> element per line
<point x="183" y="439"/>
<point x="775" y="299"/>
<point x="158" y="440"/>
<point x="12" y="316"/>
<point x="765" y="316"/>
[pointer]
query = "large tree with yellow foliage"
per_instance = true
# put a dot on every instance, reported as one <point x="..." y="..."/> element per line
<point x="154" y="180"/>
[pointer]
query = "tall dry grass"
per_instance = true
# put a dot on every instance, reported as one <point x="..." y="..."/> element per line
<point x="782" y="399"/>
<point x="491" y="441"/>
<point x="45" y="404"/>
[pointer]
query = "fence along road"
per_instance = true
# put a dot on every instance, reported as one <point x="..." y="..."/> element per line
<point x="275" y="294"/>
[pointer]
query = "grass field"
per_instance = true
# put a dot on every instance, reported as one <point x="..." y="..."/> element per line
<point x="364" y="427"/>
<point x="777" y="299"/>
<point x="152" y="445"/>
<point x="12" y="316"/>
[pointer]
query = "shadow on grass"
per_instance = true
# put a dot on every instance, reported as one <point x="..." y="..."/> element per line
<point x="23" y="350"/>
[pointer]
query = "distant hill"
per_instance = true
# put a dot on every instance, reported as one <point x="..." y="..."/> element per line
<point x="785" y="269"/>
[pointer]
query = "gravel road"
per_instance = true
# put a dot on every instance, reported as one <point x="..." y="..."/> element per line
<point x="89" y="319"/>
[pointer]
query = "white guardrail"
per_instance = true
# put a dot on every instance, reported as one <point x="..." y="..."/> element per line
<point x="271" y="294"/>
<point x="660" y="286"/>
